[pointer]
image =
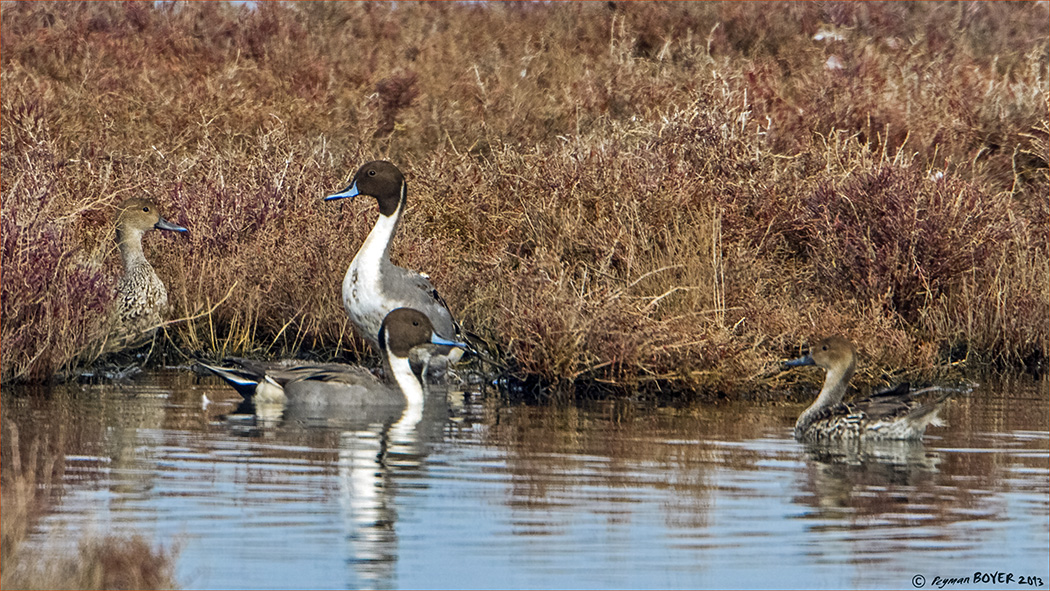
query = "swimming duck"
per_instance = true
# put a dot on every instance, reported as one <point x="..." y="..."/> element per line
<point x="142" y="301"/>
<point x="891" y="414"/>
<point x="373" y="286"/>
<point x="333" y="386"/>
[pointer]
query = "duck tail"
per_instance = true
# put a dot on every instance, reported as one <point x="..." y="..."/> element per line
<point x="486" y="350"/>
<point x="927" y="414"/>
<point x="242" y="381"/>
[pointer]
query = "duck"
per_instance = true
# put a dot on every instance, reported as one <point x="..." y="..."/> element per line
<point x="373" y="286"/>
<point x="333" y="387"/>
<point x="894" y="414"/>
<point x="141" y="302"/>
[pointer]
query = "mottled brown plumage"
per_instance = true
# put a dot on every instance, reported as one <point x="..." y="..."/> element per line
<point x="141" y="304"/>
<point x="898" y="413"/>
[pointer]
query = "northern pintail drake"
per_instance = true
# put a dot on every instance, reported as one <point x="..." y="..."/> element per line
<point x="895" y="414"/>
<point x="141" y="303"/>
<point x="373" y="286"/>
<point x="336" y="386"/>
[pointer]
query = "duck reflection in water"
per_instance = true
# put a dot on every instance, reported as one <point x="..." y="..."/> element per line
<point x="380" y="426"/>
<point x="857" y="449"/>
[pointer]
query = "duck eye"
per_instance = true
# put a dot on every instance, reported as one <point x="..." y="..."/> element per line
<point x="371" y="172"/>
<point x="146" y="209"/>
<point x="415" y="323"/>
<point x="824" y="348"/>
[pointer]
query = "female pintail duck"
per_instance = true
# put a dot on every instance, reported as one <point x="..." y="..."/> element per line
<point x="334" y="386"/>
<point x="142" y="301"/>
<point x="892" y="414"/>
<point x="373" y="286"/>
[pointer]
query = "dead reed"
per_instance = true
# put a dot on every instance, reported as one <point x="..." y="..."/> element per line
<point x="669" y="196"/>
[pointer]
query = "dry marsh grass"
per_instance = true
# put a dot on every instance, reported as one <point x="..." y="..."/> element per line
<point x="670" y="196"/>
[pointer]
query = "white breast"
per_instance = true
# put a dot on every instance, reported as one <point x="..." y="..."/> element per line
<point x="362" y="290"/>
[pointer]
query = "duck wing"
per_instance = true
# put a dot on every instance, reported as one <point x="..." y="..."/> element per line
<point x="902" y="413"/>
<point x="414" y="290"/>
<point x="285" y="370"/>
<point x="334" y="373"/>
<point x="901" y="401"/>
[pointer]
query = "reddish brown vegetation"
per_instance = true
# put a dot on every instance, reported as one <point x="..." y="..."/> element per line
<point x="671" y="194"/>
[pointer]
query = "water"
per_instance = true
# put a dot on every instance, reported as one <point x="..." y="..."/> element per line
<point x="478" y="495"/>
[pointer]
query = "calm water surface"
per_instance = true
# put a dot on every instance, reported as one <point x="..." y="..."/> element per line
<point x="475" y="494"/>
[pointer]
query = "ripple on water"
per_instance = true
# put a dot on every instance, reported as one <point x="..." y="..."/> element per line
<point x="538" y="497"/>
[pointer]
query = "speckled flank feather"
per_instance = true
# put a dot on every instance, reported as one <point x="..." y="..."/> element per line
<point x="895" y="414"/>
<point x="901" y="416"/>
